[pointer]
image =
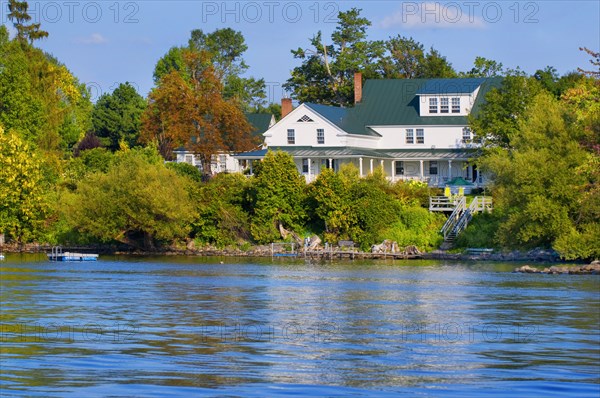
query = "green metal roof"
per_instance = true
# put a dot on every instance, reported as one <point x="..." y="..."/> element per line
<point x="395" y="102"/>
<point x="450" y="86"/>
<point x="434" y="154"/>
<point x="260" y="122"/>
<point x="353" y="152"/>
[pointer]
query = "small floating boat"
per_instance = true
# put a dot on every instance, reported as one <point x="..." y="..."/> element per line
<point x="58" y="255"/>
<point x="1" y="256"/>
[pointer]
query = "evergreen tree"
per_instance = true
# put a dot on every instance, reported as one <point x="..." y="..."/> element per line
<point x="18" y="14"/>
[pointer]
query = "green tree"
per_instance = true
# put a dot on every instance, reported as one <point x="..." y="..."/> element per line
<point x="138" y="201"/>
<point x="326" y="73"/>
<point x="483" y="67"/>
<point x="437" y="66"/>
<point x="40" y="99"/>
<point x="226" y="48"/>
<point x="537" y="188"/>
<point x="18" y="14"/>
<point x="375" y="208"/>
<point x="171" y="61"/>
<point x="497" y="122"/>
<point x="117" y="116"/>
<point x="23" y="205"/>
<point x="406" y="59"/>
<point x="330" y="203"/>
<point x="223" y="49"/>
<point x="548" y="77"/>
<point x="4" y="36"/>
<point x="222" y="217"/>
<point x="277" y="197"/>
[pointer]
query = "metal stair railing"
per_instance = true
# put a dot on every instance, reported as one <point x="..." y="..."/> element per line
<point x="454" y="218"/>
<point x="479" y="204"/>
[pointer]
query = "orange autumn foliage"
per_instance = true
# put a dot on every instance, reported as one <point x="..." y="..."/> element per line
<point x="188" y="109"/>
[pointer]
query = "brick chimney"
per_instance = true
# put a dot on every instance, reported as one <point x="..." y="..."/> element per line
<point x="286" y="106"/>
<point x="357" y="87"/>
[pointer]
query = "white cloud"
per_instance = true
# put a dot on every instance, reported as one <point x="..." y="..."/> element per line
<point x="435" y="15"/>
<point x="94" y="38"/>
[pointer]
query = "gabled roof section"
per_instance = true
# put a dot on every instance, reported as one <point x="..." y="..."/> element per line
<point x="334" y="114"/>
<point x="260" y="121"/>
<point x="337" y="116"/>
<point x="450" y="86"/>
<point x="395" y="102"/>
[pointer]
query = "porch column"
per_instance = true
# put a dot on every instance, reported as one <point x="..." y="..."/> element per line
<point x="309" y="162"/>
<point x="330" y="164"/>
<point x="371" y="165"/>
<point x="382" y="165"/>
<point x="393" y="173"/>
<point x="421" y="169"/>
<point x="449" y="170"/>
<point x="360" y="166"/>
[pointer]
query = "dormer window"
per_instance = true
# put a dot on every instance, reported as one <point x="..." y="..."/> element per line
<point x="444" y="105"/>
<point x="455" y="104"/>
<point x="305" y="118"/>
<point x="433" y="105"/>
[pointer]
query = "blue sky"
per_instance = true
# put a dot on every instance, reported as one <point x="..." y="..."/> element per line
<point x="105" y="43"/>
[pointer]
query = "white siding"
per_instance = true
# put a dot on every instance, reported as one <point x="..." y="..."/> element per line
<point x="305" y="132"/>
<point x="466" y="103"/>
<point x="442" y="137"/>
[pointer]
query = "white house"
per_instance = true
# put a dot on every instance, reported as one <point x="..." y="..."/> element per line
<point x="225" y="162"/>
<point x="414" y="128"/>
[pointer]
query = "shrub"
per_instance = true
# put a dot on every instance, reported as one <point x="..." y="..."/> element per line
<point x="416" y="226"/>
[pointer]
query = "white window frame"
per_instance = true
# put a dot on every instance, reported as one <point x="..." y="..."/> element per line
<point x="433" y="105"/>
<point x="455" y="104"/>
<point x="291" y="137"/>
<point x="420" y="136"/>
<point x="410" y="136"/>
<point x="444" y="105"/>
<point x="305" y="166"/>
<point x="321" y="136"/>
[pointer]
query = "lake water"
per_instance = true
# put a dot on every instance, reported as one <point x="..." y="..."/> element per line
<point x="193" y="327"/>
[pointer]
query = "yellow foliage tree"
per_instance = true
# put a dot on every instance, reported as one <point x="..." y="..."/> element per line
<point x="23" y="207"/>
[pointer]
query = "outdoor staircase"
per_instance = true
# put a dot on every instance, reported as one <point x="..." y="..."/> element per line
<point x="461" y="215"/>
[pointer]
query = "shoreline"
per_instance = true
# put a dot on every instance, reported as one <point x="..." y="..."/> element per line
<point x="534" y="256"/>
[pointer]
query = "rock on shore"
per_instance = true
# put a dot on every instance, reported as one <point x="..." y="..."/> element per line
<point x="589" y="269"/>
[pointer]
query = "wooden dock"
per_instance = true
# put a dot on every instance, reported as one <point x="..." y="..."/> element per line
<point x="58" y="255"/>
<point x="66" y="256"/>
<point x="354" y="254"/>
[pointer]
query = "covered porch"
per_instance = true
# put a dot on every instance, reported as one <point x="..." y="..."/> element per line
<point x="436" y="167"/>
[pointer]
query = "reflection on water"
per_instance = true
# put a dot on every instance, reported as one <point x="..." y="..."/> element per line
<point x="181" y="326"/>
